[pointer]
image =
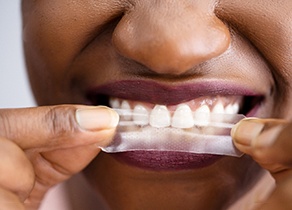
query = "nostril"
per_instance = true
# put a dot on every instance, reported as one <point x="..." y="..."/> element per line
<point x="171" y="45"/>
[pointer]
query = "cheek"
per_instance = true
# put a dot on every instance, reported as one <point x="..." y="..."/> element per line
<point x="58" y="30"/>
<point x="55" y="32"/>
<point x="267" y="25"/>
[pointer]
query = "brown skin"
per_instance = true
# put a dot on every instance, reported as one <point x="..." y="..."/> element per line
<point x="72" y="45"/>
<point x="39" y="148"/>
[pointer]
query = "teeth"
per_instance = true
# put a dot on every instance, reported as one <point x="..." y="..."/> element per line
<point x="202" y="116"/>
<point x="235" y="108"/>
<point x="218" y="108"/>
<point x="115" y="103"/>
<point x="125" y="106"/>
<point x="229" y="109"/>
<point x="160" y="117"/>
<point x="183" y="117"/>
<point x="140" y="115"/>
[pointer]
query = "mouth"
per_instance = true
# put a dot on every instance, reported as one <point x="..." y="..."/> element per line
<point x="157" y="101"/>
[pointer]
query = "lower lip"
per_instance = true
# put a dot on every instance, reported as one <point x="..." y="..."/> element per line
<point x="166" y="160"/>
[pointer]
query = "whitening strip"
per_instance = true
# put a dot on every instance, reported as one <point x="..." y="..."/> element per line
<point x="204" y="133"/>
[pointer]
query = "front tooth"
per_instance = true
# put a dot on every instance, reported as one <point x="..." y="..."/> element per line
<point x="182" y="117"/>
<point x="202" y="116"/>
<point x="126" y="110"/>
<point x="159" y="117"/>
<point x="140" y="115"/>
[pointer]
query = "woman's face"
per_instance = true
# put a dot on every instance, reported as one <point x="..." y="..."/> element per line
<point x="227" y="52"/>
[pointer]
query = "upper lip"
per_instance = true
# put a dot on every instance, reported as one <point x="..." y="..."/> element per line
<point x="167" y="94"/>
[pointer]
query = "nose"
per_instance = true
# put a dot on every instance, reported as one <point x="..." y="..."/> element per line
<point x="171" y="37"/>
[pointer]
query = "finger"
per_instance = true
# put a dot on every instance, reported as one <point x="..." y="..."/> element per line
<point x="17" y="174"/>
<point x="75" y="158"/>
<point x="56" y="126"/>
<point x="268" y="141"/>
<point x="56" y="166"/>
<point x="10" y="201"/>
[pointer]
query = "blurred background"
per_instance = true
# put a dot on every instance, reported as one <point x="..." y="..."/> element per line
<point x="14" y="86"/>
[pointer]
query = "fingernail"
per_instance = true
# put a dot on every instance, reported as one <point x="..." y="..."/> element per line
<point x="246" y="130"/>
<point x="97" y="118"/>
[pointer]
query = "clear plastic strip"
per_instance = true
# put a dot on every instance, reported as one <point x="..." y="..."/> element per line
<point x="212" y="137"/>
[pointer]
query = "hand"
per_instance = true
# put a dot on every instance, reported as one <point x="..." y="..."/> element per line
<point x="269" y="142"/>
<point x="43" y="146"/>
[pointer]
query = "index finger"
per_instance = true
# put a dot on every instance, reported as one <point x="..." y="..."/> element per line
<point x="55" y="126"/>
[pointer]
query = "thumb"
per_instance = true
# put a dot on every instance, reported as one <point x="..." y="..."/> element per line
<point x="60" y="126"/>
<point x="268" y="141"/>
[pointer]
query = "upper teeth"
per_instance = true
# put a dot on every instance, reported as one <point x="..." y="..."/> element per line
<point x="182" y="117"/>
<point x="142" y="119"/>
<point x="160" y="117"/>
